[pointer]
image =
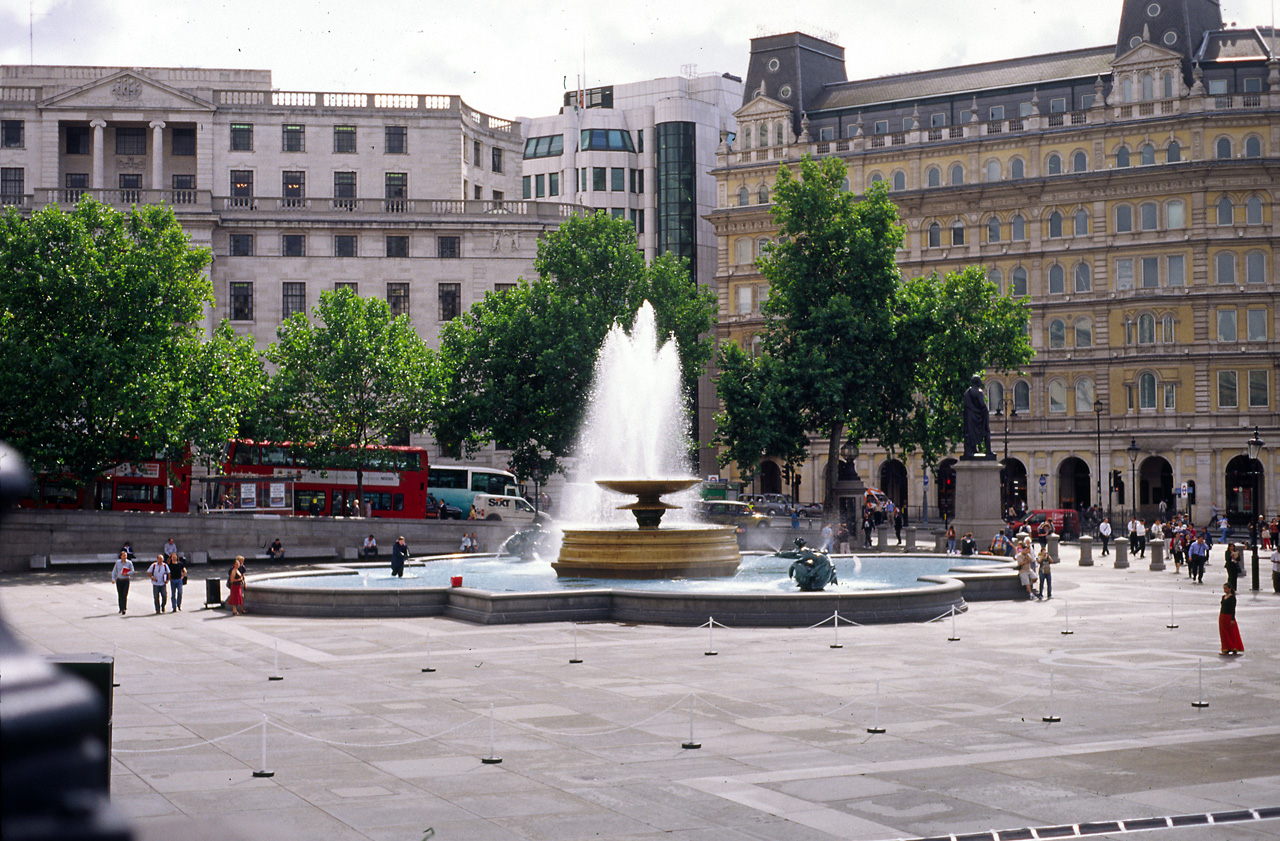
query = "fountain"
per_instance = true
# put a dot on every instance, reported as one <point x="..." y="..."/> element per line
<point x="636" y="428"/>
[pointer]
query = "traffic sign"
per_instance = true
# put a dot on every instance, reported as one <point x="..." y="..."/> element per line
<point x="1044" y="480"/>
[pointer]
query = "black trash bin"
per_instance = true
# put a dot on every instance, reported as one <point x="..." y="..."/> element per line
<point x="213" y="592"/>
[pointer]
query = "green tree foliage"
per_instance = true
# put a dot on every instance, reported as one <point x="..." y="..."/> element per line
<point x="355" y="378"/>
<point x="850" y="350"/>
<point x="226" y="388"/>
<point x="99" y="335"/>
<point x="517" y="367"/>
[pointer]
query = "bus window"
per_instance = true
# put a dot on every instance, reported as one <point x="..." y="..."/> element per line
<point x="488" y="483"/>
<point x="244" y="454"/>
<point x="397" y="502"/>
<point x="276" y="457"/>
<point x="130" y="492"/>
<point x="310" y="502"/>
<point x="59" y="493"/>
<point x="447" y="478"/>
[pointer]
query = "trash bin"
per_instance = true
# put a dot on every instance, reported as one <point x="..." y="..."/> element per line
<point x="213" y="592"/>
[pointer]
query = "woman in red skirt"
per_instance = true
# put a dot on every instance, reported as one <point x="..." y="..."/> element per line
<point x="1228" y="630"/>
<point x="235" y="582"/>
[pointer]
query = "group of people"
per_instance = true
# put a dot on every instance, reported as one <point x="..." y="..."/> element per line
<point x="470" y="543"/>
<point x="167" y="573"/>
<point x="1034" y="569"/>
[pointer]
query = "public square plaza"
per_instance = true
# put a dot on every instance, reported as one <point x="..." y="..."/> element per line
<point x="365" y="744"/>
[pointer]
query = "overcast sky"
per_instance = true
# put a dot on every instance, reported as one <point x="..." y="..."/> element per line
<point x="514" y="58"/>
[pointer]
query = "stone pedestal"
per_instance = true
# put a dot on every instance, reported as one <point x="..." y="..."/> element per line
<point x="978" y="499"/>
<point x="1086" y="550"/>
<point x="882" y="537"/>
<point x="1053" y="546"/>
<point x="911" y="538"/>
<point x="1155" y="546"/>
<point x="1122" y="553"/>
<point x="940" y="541"/>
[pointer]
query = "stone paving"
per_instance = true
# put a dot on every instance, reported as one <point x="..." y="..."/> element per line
<point x="365" y="744"/>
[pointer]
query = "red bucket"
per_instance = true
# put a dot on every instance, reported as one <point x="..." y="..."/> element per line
<point x="455" y="581"/>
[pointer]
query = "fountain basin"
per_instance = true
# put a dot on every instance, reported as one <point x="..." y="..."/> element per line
<point x="687" y="552"/>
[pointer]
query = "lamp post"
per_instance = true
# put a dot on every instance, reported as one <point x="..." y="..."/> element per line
<point x="537" y="477"/>
<point x="1255" y="445"/>
<point x="1006" y="489"/>
<point x="1097" y="415"/>
<point x="1133" y="450"/>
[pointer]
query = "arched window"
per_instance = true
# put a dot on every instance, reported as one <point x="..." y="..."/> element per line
<point x="1225" y="267"/>
<point x="1057" y="397"/>
<point x="957" y="175"/>
<point x="1022" y="396"/>
<point x="1146" y="329"/>
<point x="1126" y="89"/>
<point x="899" y="180"/>
<point x="779" y="137"/>
<point x="1055" y="225"/>
<point x="1084" y="281"/>
<point x="762" y="195"/>
<point x="1017" y="169"/>
<point x="1253" y="211"/>
<point x="742" y="251"/>
<point x="995" y="394"/>
<point x="746" y="137"/>
<point x="1057" y="280"/>
<point x="762" y="246"/>
<point x="1173" y="152"/>
<point x="744" y="197"/>
<point x="876" y="178"/>
<point x="1017" y="228"/>
<point x="1146" y="391"/>
<point x="957" y="233"/>
<point x="1084" y="332"/>
<point x="993" y="171"/>
<point x="1175" y="216"/>
<point x="1080" y="226"/>
<point x="1084" y="396"/>
<point x="1222" y="149"/>
<point x="1019" y="282"/>
<point x="844" y="185"/>
<point x="1122" y="157"/>
<point x="1148" y="153"/>
<point x="1252" y="147"/>
<point x="1255" y="267"/>
<point x="1054" y="164"/>
<point x="1167" y="85"/>
<point x="764" y="134"/>
<point x="935" y="235"/>
<point x="1124" y="219"/>
<point x="996" y="277"/>
<point x="1057" y="333"/>
<point x="993" y="229"/>
<point x="1149" y="216"/>
<point x="1166" y="332"/>
<point x="1079" y="162"/>
<point x="1148" y="87"/>
<point x="933" y="177"/>
<point x="1226" y="211"/>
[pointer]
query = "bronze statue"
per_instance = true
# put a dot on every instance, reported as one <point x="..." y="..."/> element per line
<point x="977" y="424"/>
<point x="811" y="569"/>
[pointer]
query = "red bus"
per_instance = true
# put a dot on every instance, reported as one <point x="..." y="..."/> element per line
<point x="266" y="477"/>
<point x="150" y="485"/>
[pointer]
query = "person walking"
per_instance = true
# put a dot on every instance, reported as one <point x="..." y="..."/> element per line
<point x="842" y="539"/>
<point x="1224" y="529"/>
<point x="1046" y="574"/>
<point x="1140" y="538"/>
<point x="951" y="540"/>
<point x="1232" y="564"/>
<point x="1104" y="532"/>
<point x="1275" y="567"/>
<point x="159" y="572"/>
<point x="235" y="583"/>
<point x="1024" y="561"/>
<point x="1228" y="630"/>
<point x="120" y="575"/>
<point x="177" y="581"/>
<point x="399" y="554"/>
<point x="827" y="538"/>
<point x="1197" y="558"/>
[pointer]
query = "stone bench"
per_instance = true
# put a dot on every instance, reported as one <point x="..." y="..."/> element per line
<point x="45" y="561"/>
<point x="292" y="554"/>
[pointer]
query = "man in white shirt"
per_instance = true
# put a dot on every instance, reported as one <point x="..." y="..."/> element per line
<point x="120" y="576"/>
<point x="159" y="572"/>
<point x="170" y="548"/>
<point x="1104" y="532"/>
<point x="1275" y="569"/>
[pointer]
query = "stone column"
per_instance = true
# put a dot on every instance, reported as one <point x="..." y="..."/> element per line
<point x="1053" y="546"/>
<point x="1122" y="553"/>
<point x="97" y="179"/>
<point x="882" y="537"/>
<point x="911" y="539"/>
<point x="940" y="541"/>
<point x="1156" y="547"/>
<point x="157" y="154"/>
<point x="1086" y="550"/>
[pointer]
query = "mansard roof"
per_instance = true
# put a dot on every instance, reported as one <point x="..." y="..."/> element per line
<point x="1235" y="45"/>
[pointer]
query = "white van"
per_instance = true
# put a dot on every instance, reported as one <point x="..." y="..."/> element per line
<point x="513" y="509"/>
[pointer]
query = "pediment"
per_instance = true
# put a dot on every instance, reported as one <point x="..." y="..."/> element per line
<point x="762" y="106"/>
<point x="127" y="89"/>
<point x="1145" y="54"/>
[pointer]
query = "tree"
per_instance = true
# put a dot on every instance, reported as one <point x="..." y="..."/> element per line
<point x="517" y="366"/>
<point x="850" y="350"/>
<point x="354" y="379"/>
<point x="227" y="383"/>
<point x="99" y="334"/>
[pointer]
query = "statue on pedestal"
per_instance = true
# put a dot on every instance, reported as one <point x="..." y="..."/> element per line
<point x="977" y="423"/>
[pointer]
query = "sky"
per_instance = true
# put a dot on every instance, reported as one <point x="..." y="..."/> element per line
<point x="514" y="58"/>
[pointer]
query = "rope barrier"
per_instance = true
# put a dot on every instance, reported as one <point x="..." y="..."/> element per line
<point x="412" y="741"/>
<point x="187" y="747"/>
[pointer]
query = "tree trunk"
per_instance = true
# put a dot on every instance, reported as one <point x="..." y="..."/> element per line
<point x="829" y="502"/>
<point x="360" y="487"/>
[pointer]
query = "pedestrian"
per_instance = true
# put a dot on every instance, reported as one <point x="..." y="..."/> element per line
<point x="842" y="539"/>
<point x="370" y="547"/>
<point x="127" y="548"/>
<point x="827" y="533"/>
<point x="465" y="546"/>
<point x="1275" y="567"/>
<point x="1197" y="557"/>
<point x="170" y="548"/>
<point x="1042" y="533"/>
<point x="1228" y="630"/>
<point x="120" y="575"/>
<point x="1024" y="561"/>
<point x="235" y="583"/>
<point x="1232" y="564"/>
<point x="399" y="554"/>
<point x="1046" y="574"/>
<point x="795" y="518"/>
<point x="1175" y="550"/>
<point x="177" y="581"/>
<point x="897" y="525"/>
<point x="275" y="551"/>
<point x="1104" y="532"/>
<point x="159" y="572"/>
<point x="968" y="546"/>
<point x="475" y="543"/>
<point x="867" y="526"/>
<point x="951" y="540"/>
<point x="1224" y="528"/>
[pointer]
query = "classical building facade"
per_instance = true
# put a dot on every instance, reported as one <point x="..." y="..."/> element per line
<point x="1128" y="191"/>
<point x="415" y="198"/>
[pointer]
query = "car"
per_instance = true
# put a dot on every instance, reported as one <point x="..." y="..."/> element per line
<point x="437" y="510"/>
<point x="725" y="513"/>
<point x="813" y="509"/>
<point x="774" y="505"/>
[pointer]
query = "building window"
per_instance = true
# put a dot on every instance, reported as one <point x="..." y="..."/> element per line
<point x="497" y="159"/>
<point x="1055" y="225"/>
<point x="957" y="233"/>
<point x="1222" y="149"/>
<point x="241" y="188"/>
<point x="1124" y="219"/>
<point x="526" y="187"/>
<point x="344" y="139"/>
<point x="1122" y="157"/>
<point x="75" y="184"/>
<point x="762" y="195"/>
<point x="475" y="153"/>
<point x="618" y="179"/>
<point x="993" y="229"/>
<point x="349" y="285"/>
<point x="1057" y="333"/>
<point x="1175" y="217"/>
<point x="398" y="299"/>
<point x="935" y="235"/>
<point x="1083" y="278"/>
<point x="540" y="186"/>
<point x="744" y="300"/>
<point x="477" y="192"/>
<point x="293" y="138"/>
<point x="1148" y="154"/>
<point x="449" y="248"/>
<point x="450" y="301"/>
<point x="599" y="179"/>
<point x="1057" y="397"/>
<point x="1017" y="169"/>
<point x="11" y="134"/>
<point x="1124" y="274"/>
<point x="1079" y="162"/>
<point x="1053" y="165"/>
<point x="1226" y="211"/>
<point x="344" y="190"/>
<point x="1022" y="396"/>
<point x="1080" y="223"/>
<point x="498" y="195"/>
<point x="1084" y="396"/>
<point x="933" y="177"/>
<point x="241" y="300"/>
<point x="553" y="183"/>
<point x="1017" y="228"/>
<point x="1259" y="393"/>
<point x="1150" y="272"/>
<point x="899" y="180"/>
<point x="1170" y="401"/>
<point x="997" y="277"/>
<point x="744" y="197"/>
<point x="1226" y="325"/>
<point x="293" y="298"/>
<point x="344" y="245"/>
<point x="131" y="140"/>
<point x="992" y="171"/>
<point x="1253" y="211"/>
<point x="1166" y="330"/>
<point x="241" y="245"/>
<point x="397" y="246"/>
<point x="183" y="142"/>
<point x="1084" y="333"/>
<point x="396" y="191"/>
<point x="1149" y="216"/>
<point x="1255" y="267"/>
<point x="1057" y="280"/>
<point x="1019" y="283"/>
<point x="1252" y="147"/>
<point x="1256" y="325"/>
<point x="293" y="245"/>
<point x="1176" y="266"/>
<point x="293" y="186"/>
<point x="12" y="185"/>
<point x="995" y="394"/>
<point x="396" y="140"/>
<point x="637" y="181"/>
<point x="957" y="175"/>
<point x="242" y="137"/>
<point x="1173" y="152"/>
<point x="1227" y="390"/>
<point x="79" y="140"/>
<point x="1224" y="264"/>
<point x="1146" y="329"/>
<point x="1146" y="391"/>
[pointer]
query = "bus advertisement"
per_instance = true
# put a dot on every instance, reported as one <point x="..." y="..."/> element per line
<point x="459" y="484"/>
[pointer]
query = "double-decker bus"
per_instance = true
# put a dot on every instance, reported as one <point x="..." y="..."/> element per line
<point x="154" y="484"/>
<point x="458" y="484"/>
<point x="263" y="476"/>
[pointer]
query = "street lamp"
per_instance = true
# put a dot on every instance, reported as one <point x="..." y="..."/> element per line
<point x="1006" y="478"/>
<point x="1097" y="415"/>
<point x="1255" y="445"/>
<point x="538" y="477"/>
<point x="1134" y="451"/>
